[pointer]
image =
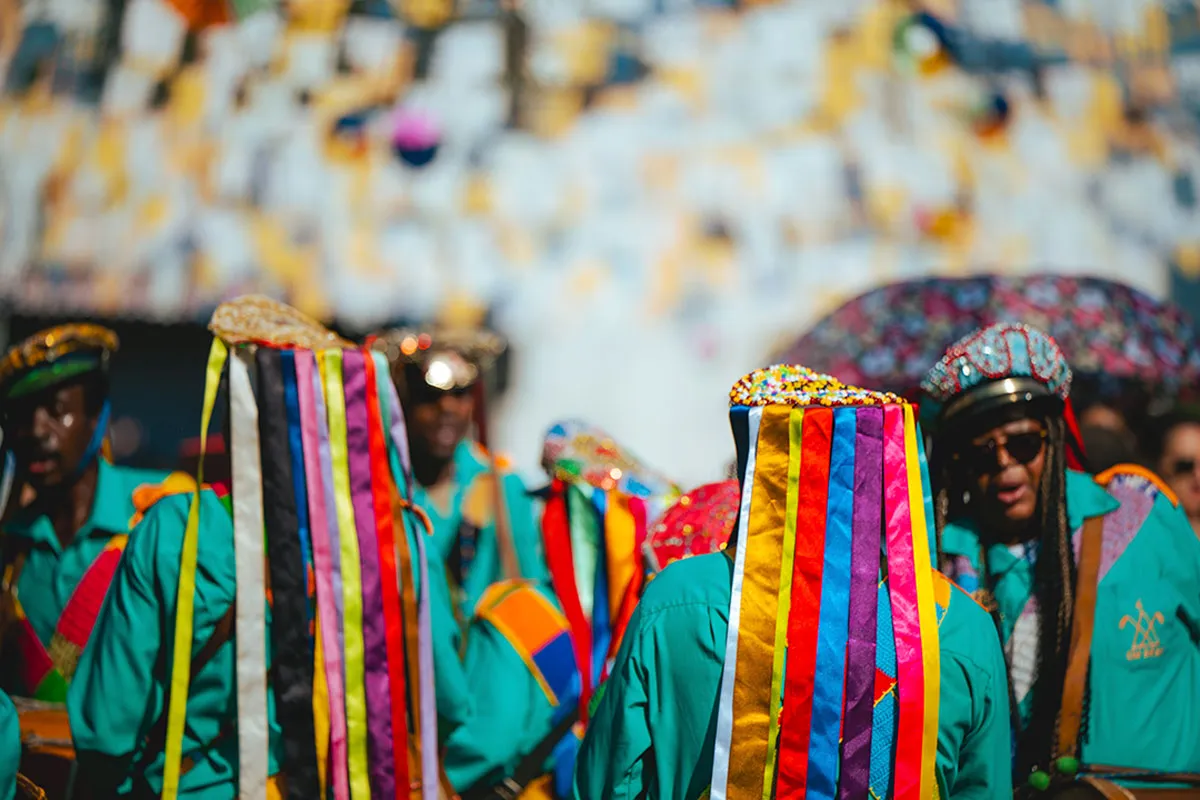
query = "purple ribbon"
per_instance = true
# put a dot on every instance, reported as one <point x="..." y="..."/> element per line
<point x="864" y="577"/>
<point x="379" y="698"/>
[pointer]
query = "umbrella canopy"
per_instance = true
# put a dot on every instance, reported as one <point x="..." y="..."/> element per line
<point x="889" y="337"/>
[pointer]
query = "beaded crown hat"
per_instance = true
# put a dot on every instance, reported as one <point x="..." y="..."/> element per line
<point x="319" y="462"/>
<point x="996" y="366"/>
<point x="834" y="497"/>
<point x="451" y="354"/>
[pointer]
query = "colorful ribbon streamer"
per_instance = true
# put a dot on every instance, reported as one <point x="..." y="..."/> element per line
<point x="833" y="629"/>
<point x="428" y="716"/>
<point x="250" y="560"/>
<point x="786" y="566"/>
<point x="863" y="605"/>
<point x="375" y="667"/>
<point x="906" y="613"/>
<point x="919" y="501"/>
<point x="323" y="537"/>
<point x="291" y="653"/>
<point x="746" y="423"/>
<point x="352" y="594"/>
<point x="386" y="530"/>
<point x="556" y="536"/>
<point x="181" y="652"/>
<point x="803" y="619"/>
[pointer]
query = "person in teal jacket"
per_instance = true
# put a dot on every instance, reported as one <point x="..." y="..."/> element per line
<point x="1010" y="514"/>
<point x="656" y="729"/>
<point x="54" y="391"/>
<point x="119" y="700"/>
<point x="119" y="691"/>
<point x="439" y="377"/>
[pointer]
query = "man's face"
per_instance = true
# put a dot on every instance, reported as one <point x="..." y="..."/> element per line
<point x="439" y="419"/>
<point x="51" y="431"/>
<point x="1005" y="465"/>
<point x="1180" y="465"/>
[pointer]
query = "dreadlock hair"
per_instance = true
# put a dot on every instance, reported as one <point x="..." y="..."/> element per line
<point x="1054" y="587"/>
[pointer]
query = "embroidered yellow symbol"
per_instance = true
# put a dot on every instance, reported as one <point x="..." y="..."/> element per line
<point x="1146" y="643"/>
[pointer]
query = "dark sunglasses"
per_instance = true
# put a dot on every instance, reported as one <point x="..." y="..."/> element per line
<point x="1184" y="466"/>
<point x="1022" y="448"/>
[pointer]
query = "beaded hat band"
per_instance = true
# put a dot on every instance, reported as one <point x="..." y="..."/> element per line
<point x="54" y="356"/>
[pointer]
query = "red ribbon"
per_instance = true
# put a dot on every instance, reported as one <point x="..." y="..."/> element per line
<point x="804" y="616"/>
<point x="1075" y="452"/>
<point x="556" y="537"/>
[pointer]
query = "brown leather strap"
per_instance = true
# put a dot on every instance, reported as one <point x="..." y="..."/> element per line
<point x="1108" y="790"/>
<point x="1142" y="776"/>
<point x="157" y="737"/>
<point x="1070" y="716"/>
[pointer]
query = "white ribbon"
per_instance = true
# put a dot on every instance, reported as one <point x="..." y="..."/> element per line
<point x="251" y="589"/>
<point x="720" y="773"/>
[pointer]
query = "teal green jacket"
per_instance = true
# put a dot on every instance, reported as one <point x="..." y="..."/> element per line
<point x="1145" y="664"/>
<point x="52" y="572"/>
<point x="471" y="500"/>
<point x="118" y="692"/>
<point x="10" y="748"/>
<point x="512" y="714"/>
<point x="653" y="732"/>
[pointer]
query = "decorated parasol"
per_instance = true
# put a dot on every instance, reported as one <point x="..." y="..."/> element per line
<point x="890" y="336"/>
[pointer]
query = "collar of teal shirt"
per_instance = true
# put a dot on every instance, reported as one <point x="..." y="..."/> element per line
<point x="111" y="511"/>
<point x="1085" y="499"/>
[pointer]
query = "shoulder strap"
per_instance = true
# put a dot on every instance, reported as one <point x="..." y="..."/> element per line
<point x="1083" y="624"/>
<point x="529" y="768"/>
<point x="157" y="737"/>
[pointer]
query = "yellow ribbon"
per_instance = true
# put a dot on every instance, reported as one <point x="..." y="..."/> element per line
<point x="320" y="708"/>
<point x="795" y="426"/>
<point x="181" y="663"/>
<point x="760" y="607"/>
<point x="927" y="612"/>
<point x="620" y="540"/>
<point x="356" y="699"/>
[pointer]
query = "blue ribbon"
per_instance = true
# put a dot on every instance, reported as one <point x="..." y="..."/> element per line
<point x="834" y="623"/>
<point x="291" y="397"/>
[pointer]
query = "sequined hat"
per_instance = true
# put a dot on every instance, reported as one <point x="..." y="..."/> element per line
<point x="700" y="522"/>
<point x="55" y="355"/>
<point x="574" y="450"/>
<point x="834" y="535"/>
<point x="994" y="367"/>
<point x="446" y="358"/>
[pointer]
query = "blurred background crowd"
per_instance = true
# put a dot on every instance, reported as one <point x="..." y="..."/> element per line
<point x="647" y="198"/>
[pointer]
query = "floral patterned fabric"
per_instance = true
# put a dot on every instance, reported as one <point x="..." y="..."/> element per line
<point x="889" y="337"/>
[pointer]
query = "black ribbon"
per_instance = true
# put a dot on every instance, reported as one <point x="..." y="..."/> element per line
<point x="291" y="654"/>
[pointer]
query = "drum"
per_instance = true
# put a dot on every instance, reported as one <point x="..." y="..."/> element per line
<point x="47" y="754"/>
